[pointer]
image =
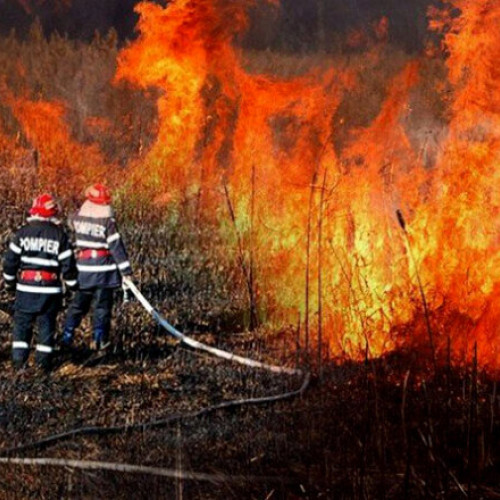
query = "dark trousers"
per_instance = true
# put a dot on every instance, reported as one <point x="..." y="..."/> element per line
<point x="102" y="299"/>
<point x="23" y="333"/>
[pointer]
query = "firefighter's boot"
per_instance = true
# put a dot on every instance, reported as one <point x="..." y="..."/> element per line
<point x="68" y="335"/>
<point x="101" y="340"/>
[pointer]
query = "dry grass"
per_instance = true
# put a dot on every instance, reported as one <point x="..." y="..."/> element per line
<point x="384" y="428"/>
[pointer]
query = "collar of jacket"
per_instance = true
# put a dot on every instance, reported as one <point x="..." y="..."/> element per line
<point x="89" y="209"/>
<point x="37" y="218"/>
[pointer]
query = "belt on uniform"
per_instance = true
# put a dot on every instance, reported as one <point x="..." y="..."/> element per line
<point x="32" y="275"/>
<point x="93" y="253"/>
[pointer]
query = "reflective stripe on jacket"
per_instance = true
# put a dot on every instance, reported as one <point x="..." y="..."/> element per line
<point x="42" y="248"/>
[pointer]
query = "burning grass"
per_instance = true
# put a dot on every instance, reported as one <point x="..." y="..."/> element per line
<point x="297" y="166"/>
<point x="262" y="190"/>
<point x="387" y="427"/>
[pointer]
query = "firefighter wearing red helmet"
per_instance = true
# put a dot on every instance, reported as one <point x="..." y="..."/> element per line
<point x="102" y="260"/>
<point x="38" y="254"/>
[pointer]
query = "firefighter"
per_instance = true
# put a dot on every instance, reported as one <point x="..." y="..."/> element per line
<point x="37" y="255"/>
<point x="102" y="260"/>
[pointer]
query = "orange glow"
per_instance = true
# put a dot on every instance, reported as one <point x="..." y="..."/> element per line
<point x="62" y="163"/>
<point x="320" y="225"/>
<point x="317" y="220"/>
<point x="60" y="157"/>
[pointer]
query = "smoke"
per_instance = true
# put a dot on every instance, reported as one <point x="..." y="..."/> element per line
<point x="79" y="19"/>
<point x="293" y="28"/>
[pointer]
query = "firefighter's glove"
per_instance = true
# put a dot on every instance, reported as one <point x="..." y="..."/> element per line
<point x="10" y="286"/>
<point x="127" y="294"/>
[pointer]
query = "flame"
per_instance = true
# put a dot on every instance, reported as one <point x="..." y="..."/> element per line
<point x="316" y="223"/>
<point x="61" y="162"/>
<point x="464" y="193"/>
<point x="319" y="224"/>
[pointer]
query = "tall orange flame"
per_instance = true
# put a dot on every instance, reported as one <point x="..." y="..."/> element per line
<point x="62" y="164"/>
<point x="319" y="225"/>
<point x="465" y="192"/>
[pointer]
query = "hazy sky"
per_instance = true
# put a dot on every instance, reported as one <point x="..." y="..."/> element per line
<point x="296" y="23"/>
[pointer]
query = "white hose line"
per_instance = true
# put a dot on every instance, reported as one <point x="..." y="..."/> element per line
<point x="199" y="345"/>
<point x="188" y="341"/>
<point x="139" y="469"/>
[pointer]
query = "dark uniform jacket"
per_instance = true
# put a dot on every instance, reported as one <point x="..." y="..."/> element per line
<point x="101" y="255"/>
<point x="37" y="256"/>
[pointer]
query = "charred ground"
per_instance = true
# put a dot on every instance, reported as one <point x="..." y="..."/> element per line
<point x="378" y="428"/>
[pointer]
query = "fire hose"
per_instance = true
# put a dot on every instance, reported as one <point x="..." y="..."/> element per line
<point x="199" y="345"/>
<point x="184" y="339"/>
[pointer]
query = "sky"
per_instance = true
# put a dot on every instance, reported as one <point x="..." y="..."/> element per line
<point x="294" y="28"/>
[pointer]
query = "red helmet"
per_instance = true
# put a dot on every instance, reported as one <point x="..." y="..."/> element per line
<point x="44" y="206"/>
<point x="98" y="193"/>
